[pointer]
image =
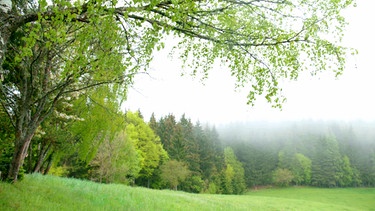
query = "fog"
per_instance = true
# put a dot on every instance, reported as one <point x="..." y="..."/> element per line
<point x="362" y="132"/>
<point x="163" y="90"/>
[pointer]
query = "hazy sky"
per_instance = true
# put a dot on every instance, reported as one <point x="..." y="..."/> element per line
<point x="351" y="96"/>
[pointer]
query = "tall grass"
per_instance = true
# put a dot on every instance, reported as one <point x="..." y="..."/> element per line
<point x="37" y="192"/>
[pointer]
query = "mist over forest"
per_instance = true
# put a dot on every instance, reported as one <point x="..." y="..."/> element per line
<point x="336" y="153"/>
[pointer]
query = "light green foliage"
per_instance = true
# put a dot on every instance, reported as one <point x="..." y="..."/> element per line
<point x="100" y="119"/>
<point x="228" y="177"/>
<point x="212" y="188"/>
<point x="282" y="177"/>
<point x="264" y="42"/>
<point x="53" y="57"/>
<point x="60" y="171"/>
<point x="147" y="144"/>
<point x="78" y="127"/>
<point x="174" y="172"/>
<point x="301" y="169"/>
<point x="346" y="174"/>
<point x="117" y="161"/>
<point x="234" y="174"/>
<point x="64" y="47"/>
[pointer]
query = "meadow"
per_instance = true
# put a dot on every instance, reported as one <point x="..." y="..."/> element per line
<point x="37" y="192"/>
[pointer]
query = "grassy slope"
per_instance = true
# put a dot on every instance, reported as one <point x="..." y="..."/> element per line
<point x="38" y="192"/>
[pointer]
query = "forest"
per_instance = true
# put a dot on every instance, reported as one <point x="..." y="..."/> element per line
<point x="175" y="153"/>
<point x="317" y="153"/>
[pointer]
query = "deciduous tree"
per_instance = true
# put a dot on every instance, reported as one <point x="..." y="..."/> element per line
<point x="234" y="174"/>
<point x="173" y="172"/>
<point x="282" y="177"/>
<point x="117" y="161"/>
<point x="147" y="144"/>
<point x="301" y="169"/>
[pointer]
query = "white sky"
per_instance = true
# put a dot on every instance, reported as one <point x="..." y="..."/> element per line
<point x="351" y="96"/>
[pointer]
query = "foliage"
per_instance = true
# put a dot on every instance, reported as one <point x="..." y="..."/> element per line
<point x="53" y="49"/>
<point x="234" y="176"/>
<point x="301" y="168"/>
<point x="76" y="140"/>
<point x="258" y="162"/>
<point x="198" y="147"/>
<point x="60" y="171"/>
<point x="174" y="172"/>
<point x="146" y="142"/>
<point x="99" y="119"/>
<point x="318" y="153"/>
<point x="117" y="161"/>
<point x="6" y="145"/>
<point x="326" y="162"/>
<point x="282" y="177"/>
<point x="193" y="184"/>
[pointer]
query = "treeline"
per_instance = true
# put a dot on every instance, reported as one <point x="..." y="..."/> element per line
<point x="211" y="167"/>
<point x="315" y="153"/>
<point x="122" y="148"/>
<point x="164" y="153"/>
<point x="114" y="147"/>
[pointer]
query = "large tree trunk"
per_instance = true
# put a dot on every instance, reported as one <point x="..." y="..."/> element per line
<point x="26" y="127"/>
<point x="20" y="152"/>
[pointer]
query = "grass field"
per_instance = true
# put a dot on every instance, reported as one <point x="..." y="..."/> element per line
<point x="38" y="192"/>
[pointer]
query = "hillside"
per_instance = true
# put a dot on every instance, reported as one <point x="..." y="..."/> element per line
<point x="38" y="192"/>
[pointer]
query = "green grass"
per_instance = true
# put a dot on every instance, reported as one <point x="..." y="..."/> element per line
<point x="38" y="192"/>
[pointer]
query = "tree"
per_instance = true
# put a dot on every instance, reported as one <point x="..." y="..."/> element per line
<point x="259" y="162"/>
<point x="48" y="63"/>
<point x="326" y="162"/>
<point x="190" y="144"/>
<point x="171" y="136"/>
<point x="6" y="147"/>
<point x="234" y="174"/>
<point x="147" y="144"/>
<point x="77" y="140"/>
<point x="195" y="146"/>
<point x="117" y="161"/>
<point x="173" y="172"/>
<point x="301" y="169"/>
<point x="50" y="49"/>
<point x="346" y="173"/>
<point x="282" y="177"/>
<point x="153" y="124"/>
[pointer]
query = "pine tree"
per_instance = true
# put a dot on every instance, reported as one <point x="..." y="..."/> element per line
<point x="326" y="162"/>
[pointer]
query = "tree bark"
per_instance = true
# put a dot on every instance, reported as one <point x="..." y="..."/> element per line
<point x="42" y="154"/>
<point x="20" y="152"/>
<point x="49" y="164"/>
<point x="30" y="159"/>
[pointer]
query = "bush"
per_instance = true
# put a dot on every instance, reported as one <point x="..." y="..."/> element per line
<point x="282" y="177"/>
